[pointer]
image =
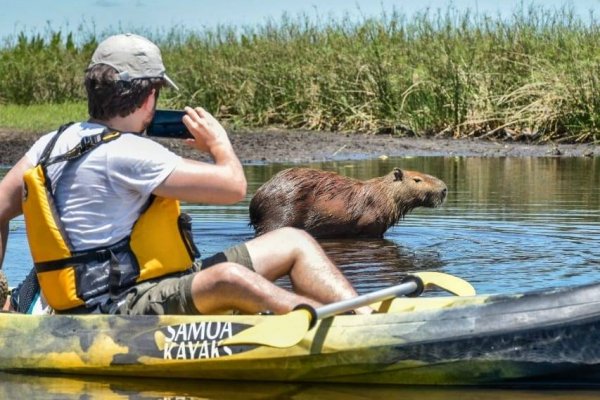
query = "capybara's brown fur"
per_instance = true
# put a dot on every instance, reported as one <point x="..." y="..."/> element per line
<point x="327" y="204"/>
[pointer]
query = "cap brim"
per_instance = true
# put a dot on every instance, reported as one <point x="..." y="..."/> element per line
<point x="170" y="82"/>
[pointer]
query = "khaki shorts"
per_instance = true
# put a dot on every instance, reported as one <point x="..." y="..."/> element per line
<point x="174" y="295"/>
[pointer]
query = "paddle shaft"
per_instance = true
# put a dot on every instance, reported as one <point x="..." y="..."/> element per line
<point x="408" y="287"/>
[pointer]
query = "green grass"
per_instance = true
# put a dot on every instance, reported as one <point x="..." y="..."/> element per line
<point x="534" y="76"/>
<point x="40" y="118"/>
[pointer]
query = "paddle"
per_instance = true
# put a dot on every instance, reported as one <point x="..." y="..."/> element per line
<point x="287" y="330"/>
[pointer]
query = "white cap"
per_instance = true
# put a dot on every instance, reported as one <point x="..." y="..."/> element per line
<point x="133" y="56"/>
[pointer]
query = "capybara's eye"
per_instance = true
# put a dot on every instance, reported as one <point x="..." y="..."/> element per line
<point x="417" y="180"/>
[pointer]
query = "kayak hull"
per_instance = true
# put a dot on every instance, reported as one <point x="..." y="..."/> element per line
<point x="549" y="335"/>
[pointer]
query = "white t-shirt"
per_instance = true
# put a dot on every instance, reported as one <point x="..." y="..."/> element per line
<point x="101" y="195"/>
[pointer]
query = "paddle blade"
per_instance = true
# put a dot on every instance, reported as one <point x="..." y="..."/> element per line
<point x="449" y="283"/>
<point x="277" y="331"/>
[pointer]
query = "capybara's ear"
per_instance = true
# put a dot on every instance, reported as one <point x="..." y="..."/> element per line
<point x="398" y="174"/>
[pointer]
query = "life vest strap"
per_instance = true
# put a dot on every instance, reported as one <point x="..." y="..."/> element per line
<point x="100" y="255"/>
<point x="86" y="144"/>
<point x="48" y="149"/>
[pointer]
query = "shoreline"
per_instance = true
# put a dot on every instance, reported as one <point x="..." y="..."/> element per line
<point x="296" y="146"/>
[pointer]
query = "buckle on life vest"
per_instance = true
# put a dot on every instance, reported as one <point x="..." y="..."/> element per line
<point x="103" y="255"/>
<point x="87" y="142"/>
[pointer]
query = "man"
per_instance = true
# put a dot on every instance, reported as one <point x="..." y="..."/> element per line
<point x="98" y="203"/>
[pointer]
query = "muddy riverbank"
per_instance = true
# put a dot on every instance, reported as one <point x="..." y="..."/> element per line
<point x="273" y="145"/>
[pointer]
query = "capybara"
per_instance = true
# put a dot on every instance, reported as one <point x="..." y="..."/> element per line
<point x="328" y="205"/>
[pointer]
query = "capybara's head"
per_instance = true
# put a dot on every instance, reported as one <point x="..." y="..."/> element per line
<point x="411" y="189"/>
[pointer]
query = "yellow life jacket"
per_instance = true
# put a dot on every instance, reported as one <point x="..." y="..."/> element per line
<point x="160" y="242"/>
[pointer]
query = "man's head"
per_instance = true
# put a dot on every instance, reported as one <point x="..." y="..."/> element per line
<point x="123" y="72"/>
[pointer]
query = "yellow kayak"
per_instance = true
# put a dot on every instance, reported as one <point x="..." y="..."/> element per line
<point x="474" y="340"/>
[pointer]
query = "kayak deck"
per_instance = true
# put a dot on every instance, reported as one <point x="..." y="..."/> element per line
<point x="436" y="340"/>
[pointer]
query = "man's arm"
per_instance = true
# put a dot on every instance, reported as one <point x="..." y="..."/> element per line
<point x="220" y="183"/>
<point x="11" y="188"/>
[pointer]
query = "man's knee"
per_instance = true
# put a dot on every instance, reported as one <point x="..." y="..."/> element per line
<point x="294" y="235"/>
<point x="223" y="286"/>
<point x="230" y="274"/>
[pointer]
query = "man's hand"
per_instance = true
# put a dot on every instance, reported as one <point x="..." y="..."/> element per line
<point x="209" y="134"/>
<point x="221" y="182"/>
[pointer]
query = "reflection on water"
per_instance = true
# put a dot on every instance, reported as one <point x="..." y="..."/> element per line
<point x="508" y="225"/>
<point x="82" y="388"/>
<point x="379" y="262"/>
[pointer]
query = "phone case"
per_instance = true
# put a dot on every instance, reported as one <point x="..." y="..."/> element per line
<point x="168" y="124"/>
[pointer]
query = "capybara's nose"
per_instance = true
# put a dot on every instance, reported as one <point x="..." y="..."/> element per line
<point x="444" y="192"/>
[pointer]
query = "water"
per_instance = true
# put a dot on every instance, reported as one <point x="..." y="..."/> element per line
<point x="508" y="225"/>
<point x="81" y="388"/>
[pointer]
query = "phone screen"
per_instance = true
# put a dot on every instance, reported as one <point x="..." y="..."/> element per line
<point x="168" y="124"/>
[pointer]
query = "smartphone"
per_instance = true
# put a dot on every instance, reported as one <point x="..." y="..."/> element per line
<point x="168" y="124"/>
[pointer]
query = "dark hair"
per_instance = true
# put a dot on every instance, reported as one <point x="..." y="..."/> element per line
<point x="108" y="97"/>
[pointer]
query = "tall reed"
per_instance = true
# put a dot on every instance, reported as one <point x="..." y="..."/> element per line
<point x="534" y="75"/>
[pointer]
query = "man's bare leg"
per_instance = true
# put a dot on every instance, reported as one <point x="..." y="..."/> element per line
<point x="293" y="252"/>
<point x="227" y="286"/>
